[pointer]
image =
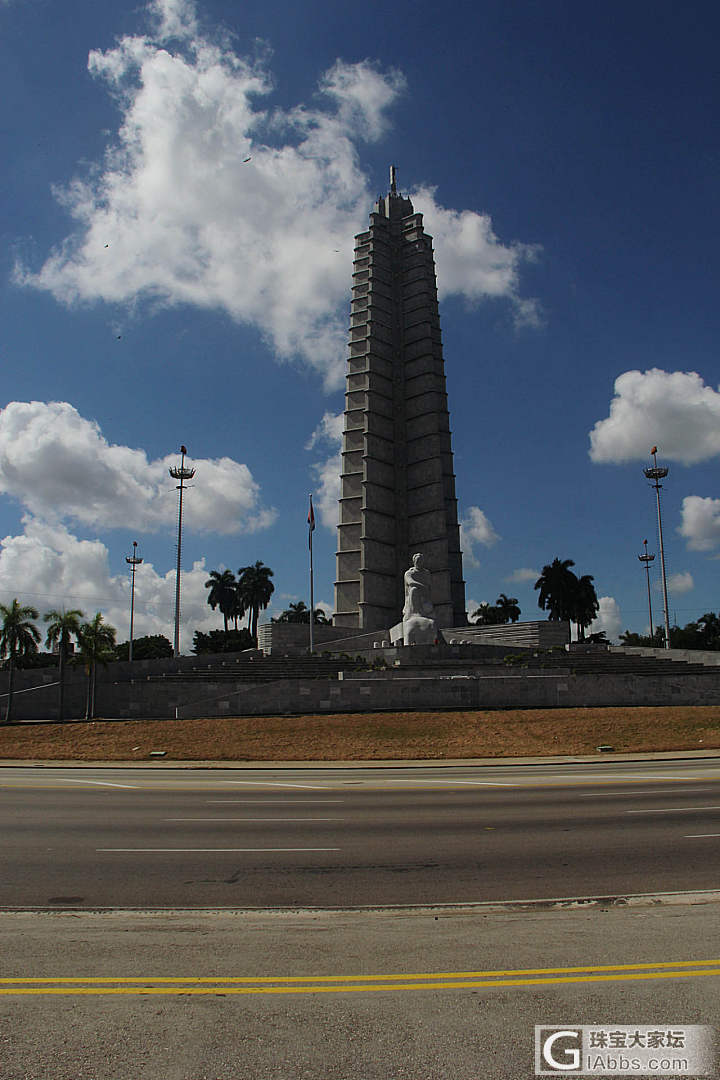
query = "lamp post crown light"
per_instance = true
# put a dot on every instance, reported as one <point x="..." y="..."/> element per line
<point x="645" y="557"/>
<point x="181" y="473"/>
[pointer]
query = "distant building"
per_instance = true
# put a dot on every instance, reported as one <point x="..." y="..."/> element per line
<point x="397" y="484"/>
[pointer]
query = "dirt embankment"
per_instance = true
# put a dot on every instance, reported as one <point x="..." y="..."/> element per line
<point x="369" y="736"/>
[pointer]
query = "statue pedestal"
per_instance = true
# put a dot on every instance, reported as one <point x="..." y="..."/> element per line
<point x="419" y="630"/>
<point x="415" y="630"/>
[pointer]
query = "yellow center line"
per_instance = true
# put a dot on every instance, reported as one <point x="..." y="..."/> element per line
<point x="224" y="990"/>
<point x="361" y="978"/>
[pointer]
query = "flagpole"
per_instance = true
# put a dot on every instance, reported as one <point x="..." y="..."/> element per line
<point x="311" y="522"/>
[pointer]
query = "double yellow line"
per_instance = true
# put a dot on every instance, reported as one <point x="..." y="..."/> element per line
<point x="344" y="984"/>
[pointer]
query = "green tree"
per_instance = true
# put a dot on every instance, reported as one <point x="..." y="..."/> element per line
<point x="300" y="613"/>
<point x="557" y="584"/>
<point x="642" y="640"/>
<point x="584" y="604"/>
<point x="237" y="609"/>
<point x="255" y="589"/>
<point x="223" y="592"/>
<point x="508" y="607"/>
<point x="220" y="641"/>
<point x="488" y="615"/>
<point x="709" y="628"/>
<point x="150" y="647"/>
<point x="62" y="627"/>
<point x="96" y="639"/>
<point x="18" y="637"/>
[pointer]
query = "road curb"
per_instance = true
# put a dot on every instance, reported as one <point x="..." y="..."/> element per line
<point x="387" y="763"/>
<point x="691" y="898"/>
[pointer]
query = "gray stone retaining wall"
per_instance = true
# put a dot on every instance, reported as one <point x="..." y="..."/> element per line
<point x="519" y="691"/>
<point x="187" y="697"/>
<point x="690" y="656"/>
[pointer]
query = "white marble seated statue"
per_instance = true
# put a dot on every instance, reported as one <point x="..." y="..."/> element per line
<point x="418" y="623"/>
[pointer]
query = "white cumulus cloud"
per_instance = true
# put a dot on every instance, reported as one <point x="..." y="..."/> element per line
<point x="476" y="528"/>
<point x="673" y="409"/>
<point x="472" y="261"/>
<point x="608" y="618"/>
<point x="679" y="583"/>
<point x="700" y="522"/>
<point x="59" y="466"/>
<point x="62" y="571"/>
<point x="326" y="473"/>
<point x="523" y="574"/>
<point x="208" y="196"/>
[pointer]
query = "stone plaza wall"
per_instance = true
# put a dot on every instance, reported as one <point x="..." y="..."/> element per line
<point x="418" y="684"/>
<point x="539" y="634"/>
<point x="293" y="639"/>
<point x="409" y="694"/>
<point x="690" y="656"/>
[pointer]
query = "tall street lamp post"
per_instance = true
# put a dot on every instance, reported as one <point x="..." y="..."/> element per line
<point x="182" y="474"/>
<point x="647" y="559"/>
<point x="656" y="473"/>
<point x="134" y="562"/>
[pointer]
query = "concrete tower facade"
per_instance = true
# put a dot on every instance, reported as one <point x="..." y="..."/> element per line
<point x="397" y="482"/>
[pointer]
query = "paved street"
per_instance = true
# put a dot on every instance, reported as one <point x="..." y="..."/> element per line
<point x="104" y="838"/>
<point x="419" y="995"/>
<point x="188" y="982"/>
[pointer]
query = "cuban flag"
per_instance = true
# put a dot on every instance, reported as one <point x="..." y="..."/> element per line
<point x="311" y="521"/>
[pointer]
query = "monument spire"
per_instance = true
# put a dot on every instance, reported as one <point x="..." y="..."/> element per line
<point x="397" y="483"/>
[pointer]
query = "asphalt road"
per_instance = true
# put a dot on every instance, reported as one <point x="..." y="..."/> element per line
<point x="409" y="992"/>
<point x="296" y="838"/>
<point x="389" y="995"/>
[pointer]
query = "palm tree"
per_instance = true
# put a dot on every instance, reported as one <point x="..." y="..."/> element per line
<point x="96" y="639"/>
<point x="222" y="586"/>
<point x="255" y="590"/>
<point x="585" y="604"/>
<point x="237" y="609"/>
<point x="487" y="615"/>
<point x="63" y="626"/>
<point x="298" y="613"/>
<point x="508" y="608"/>
<point x="557" y="585"/>
<point x="18" y="637"/>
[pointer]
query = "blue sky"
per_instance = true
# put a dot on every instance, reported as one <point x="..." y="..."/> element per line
<point x="158" y="288"/>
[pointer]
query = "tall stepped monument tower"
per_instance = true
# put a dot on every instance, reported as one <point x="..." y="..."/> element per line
<point x="397" y="482"/>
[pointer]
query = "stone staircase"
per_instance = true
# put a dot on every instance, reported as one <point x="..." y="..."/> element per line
<point x="262" y="669"/>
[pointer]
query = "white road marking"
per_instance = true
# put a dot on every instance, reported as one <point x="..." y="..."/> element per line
<point x="274" y="783"/>
<point x="102" y="783"/>
<point x="182" y="850"/>
<point x="451" y="780"/>
<point x="642" y="791"/>
<point x="601" y="777"/>
<point x="269" y="802"/>
<point x="699" y="835"/>
<point x="254" y="819"/>
<point x="672" y="810"/>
